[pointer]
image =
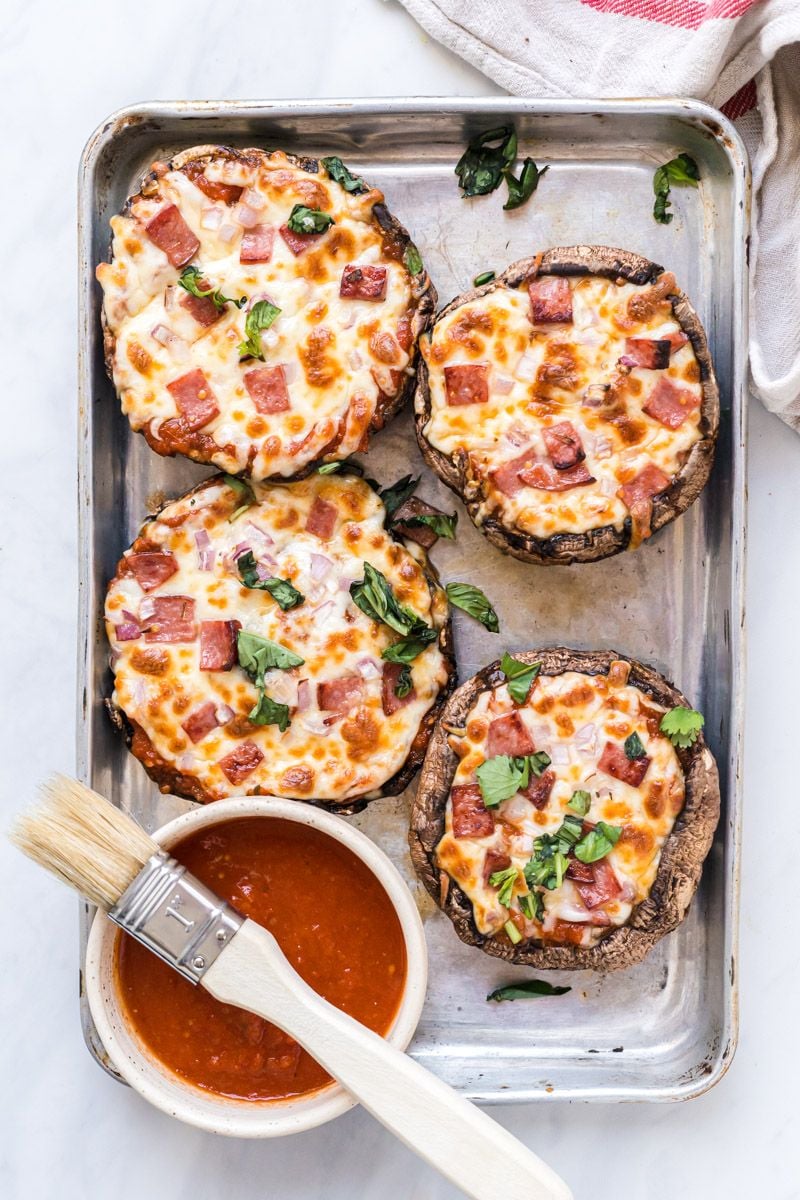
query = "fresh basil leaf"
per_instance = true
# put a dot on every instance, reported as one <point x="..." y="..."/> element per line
<point x="404" y="683"/>
<point x="259" y="318"/>
<point x="374" y="596"/>
<point x="598" y="842"/>
<point x="519" y="677"/>
<point x="442" y="525"/>
<point x="548" y="864"/>
<point x="412" y="259"/>
<point x="190" y="280"/>
<point x="257" y="655"/>
<point x="269" y="712"/>
<point x="244" y="494"/>
<point x="480" y="168"/>
<point x="473" y="601"/>
<point x="538" y="762"/>
<point x="409" y="648"/>
<point x="340" y="174"/>
<point x="527" y="989"/>
<point x="501" y="777"/>
<point x="514" y="935"/>
<point x="683" y="171"/>
<point x="682" y="726"/>
<point x="531" y="905"/>
<point x="282" y="592"/>
<point x="485" y="277"/>
<point x="397" y="494"/>
<point x="520" y="190"/>
<point x="580" y="802"/>
<point x="350" y="465"/>
<point x="633" y="747"/>
<point x="569" y="833"/>
<point x="309" y="220"/>
<point x="504" y="881"/>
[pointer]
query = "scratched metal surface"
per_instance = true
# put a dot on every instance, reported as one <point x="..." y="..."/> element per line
<point x="665" y="1029"/>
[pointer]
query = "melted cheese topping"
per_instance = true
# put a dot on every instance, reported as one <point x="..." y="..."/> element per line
<point x="320" y="755"/>
<point x="540" y="375"/>
<point x="340" y="355"/>
<point x="571" y="717"/>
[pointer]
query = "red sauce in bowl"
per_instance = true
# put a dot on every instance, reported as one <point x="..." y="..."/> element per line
<point x="332" y="919"/>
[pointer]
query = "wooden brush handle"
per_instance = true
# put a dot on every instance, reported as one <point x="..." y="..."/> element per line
<point x="455" y="1137"/>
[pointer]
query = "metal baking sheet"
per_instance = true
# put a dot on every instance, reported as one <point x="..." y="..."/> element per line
<point x="665" y="1029"/>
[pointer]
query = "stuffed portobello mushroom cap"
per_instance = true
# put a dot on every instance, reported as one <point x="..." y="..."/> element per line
<point x="647" y="394"/>
<point x="236" y="337"/>
<point x="682" y="852"/>
<point x="306" y="706"/>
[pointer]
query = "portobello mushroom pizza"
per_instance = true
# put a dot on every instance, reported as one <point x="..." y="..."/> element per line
<point x="571" y="403"/>
<point x="565" y="807"/>
<point x="261" y="311"/>
<point x="277" y="639"/>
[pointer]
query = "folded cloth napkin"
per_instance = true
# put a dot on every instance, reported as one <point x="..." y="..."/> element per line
<point x="740" y="55"/>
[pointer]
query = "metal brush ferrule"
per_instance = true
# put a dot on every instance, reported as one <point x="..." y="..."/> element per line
<point x="176" y="916"/>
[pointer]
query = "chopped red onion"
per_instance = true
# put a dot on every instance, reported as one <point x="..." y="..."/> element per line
<point x="303" y="695"/>
<point x="527" y="367"/>
<point x="281" y="687"/>
<point x="253" y="199"/>
<point x="322" y="612"/>
<point x="320" y="567"/>
<point x="228" y="233"/>
<point x="129" y="631"/>
<point x="602" y="447"/>
<point x="368" y="668"/>
<point x="266" y="567"/>
<point x="502" y="384"/>
<point x="205" y="554"/>
<point x="247" y="217"/>
<point x="355" y="360"/>
<point x="290" y="370"/>
<point x="516" y="809"/>
<point x="260" y="533"/>
<point x="586" y="735"/>
<point x="607" y="486"/>
<point x="224" y="713"/>
<point x="315" y="723"/>
<point x="559" y="754"/>
<point x="627" y="361"/>
<point x="517" y="435"/>
<point x="212" y="217"/>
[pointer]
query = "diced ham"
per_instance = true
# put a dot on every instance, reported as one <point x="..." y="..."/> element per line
<point x="467" y="383"/>
<point x="405" y="334"/>
<point x="648" y="483"/>
<point x="390" y="699"/>
<point x="423" y="535"/>
<point x="507" y="477"/>
<point x="298" y="242"/>
<point x="151" y="568"/>
<point x="509" y="735"/>
<point x="339" y="696"/>
<point x="563" y="445"/>
<point x="551" y="300"/>
<point x="321" y="520"/>
<point x="548" y="479"/>
<point x="257" y="244"/>
<point x="268" y="390"/>
<point x="202" y="308"/>
<point x="652" y="353"/>
<point x="241" y="762"/>
<point x="677" y="339"/>
<point x="168" y="619"/>
<point x="218" y="645"/>
<point x="669" y="404"/>
<point x="200" y="723"/>
<point x="614" y="761"/>
<point x="363" y="283"/>
<point x="604" y="885"/>
<point x="495" y="860"/>
<point x="580" y="872"/>
<point x="539" y="789"/>
<point x="471" y="818"/>
<point x="168" y="230"/>
<point x="194" y="399"/>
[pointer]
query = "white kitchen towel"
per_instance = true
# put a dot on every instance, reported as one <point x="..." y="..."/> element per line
<point x="740" y="55"/>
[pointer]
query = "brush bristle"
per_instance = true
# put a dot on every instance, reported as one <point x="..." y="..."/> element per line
<point x="84" y="840"/>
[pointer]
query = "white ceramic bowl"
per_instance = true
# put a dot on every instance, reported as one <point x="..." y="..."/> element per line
<point x="244" y="1118"/>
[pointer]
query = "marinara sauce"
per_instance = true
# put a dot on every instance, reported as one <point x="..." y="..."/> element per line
<point x="332" y="919"/>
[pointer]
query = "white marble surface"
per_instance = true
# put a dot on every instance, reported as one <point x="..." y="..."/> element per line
<point x="68" y="1131"/>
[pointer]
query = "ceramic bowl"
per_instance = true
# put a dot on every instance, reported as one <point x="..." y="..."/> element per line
<point x="218" y="1114"/>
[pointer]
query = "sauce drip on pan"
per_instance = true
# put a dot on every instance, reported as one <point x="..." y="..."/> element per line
<point x="333" y="921"/>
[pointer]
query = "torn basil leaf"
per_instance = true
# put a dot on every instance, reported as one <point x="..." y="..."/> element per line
<point x="412" y="259"/>
<point x="282" y="591"/>
<point x="190" y="279"/>
<point x="482" y="165"/>
<point x="409" y="648"/>
<point x="472" y="600"/>
<point x="580" y="802"/>
<point x="485" y="277"/>
<point x="520" y="190"/>
<point x="397" y="493"/>
<point x="269" y="712"/>
<point x="374" y="596"/>
<point x="309" y="220"/>
<point x="633" y="747"/>
<point x="531" y="905"/>
<point x="514" y="935"/>
<point x="340" y="174"/>
<point x="443" y="526"/>
<point x="404" y="683"/>
<point x="683" y="171"/>
<point x="519" y="677"/>
<point x="526" y="989"/>
<point x="598" y="842"/>
<point x="350" y="465"/>
<point x="244" y="494"/>
<point x="259" y="318"/>
<point x="257" y="655"/>
<point x="504" y="881"/>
